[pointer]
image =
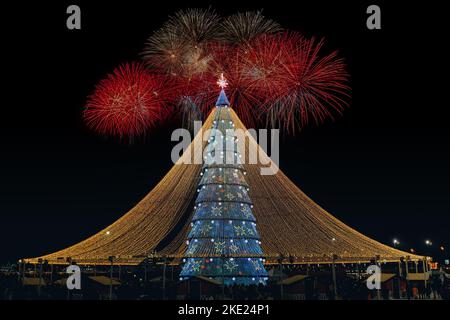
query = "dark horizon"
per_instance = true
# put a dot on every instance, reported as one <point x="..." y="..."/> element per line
<point x="381" y="168"/>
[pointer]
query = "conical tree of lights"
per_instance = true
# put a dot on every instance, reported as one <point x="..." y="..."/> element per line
<point x="223" y="242"/>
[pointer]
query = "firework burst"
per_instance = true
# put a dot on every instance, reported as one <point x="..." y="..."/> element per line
<point x="178" y="47"/>
<point x="278" y="78"/>
<point x="297" y="83"/>
<point x="228" y="61"/>
<point x="202" y="90"/>
<point x="194" y="48"/>
<point x="127" y="102"/>
<point x="317" y="87"/>
<point x="245" y="26"/>
<point x="266" y="62"/>
<point x="195" y="25"/>
<point x="165" y="51"/>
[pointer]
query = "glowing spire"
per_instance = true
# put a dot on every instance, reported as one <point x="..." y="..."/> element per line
<point x="222" y="101"/>
<point x="222" y="82"/>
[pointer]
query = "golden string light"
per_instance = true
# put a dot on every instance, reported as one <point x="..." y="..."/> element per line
<point x="290" y="224"/>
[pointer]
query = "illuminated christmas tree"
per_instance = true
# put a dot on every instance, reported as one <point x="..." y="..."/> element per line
<point x="223" y="242"/>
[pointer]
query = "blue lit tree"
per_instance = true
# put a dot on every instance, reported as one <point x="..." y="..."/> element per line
<point x="223" y="242"/>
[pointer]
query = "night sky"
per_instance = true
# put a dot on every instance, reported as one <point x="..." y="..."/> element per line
<point x="383" y="167"/>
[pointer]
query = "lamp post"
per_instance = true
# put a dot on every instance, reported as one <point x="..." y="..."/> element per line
<point x="400" y="274"/>
<point x="407" y="275"/>
<point x="40" y="277"/>
<point x="425" y="271"/>
<point x="280" y="262"/>
<point x="150" y="258"/>
<point x="69" y="262"/>
<point x="19" y="273"/>
<point x="428" y="244"/>
<point x="395" y="242"/>
<point x="111" y="259"/>
<point x="333" y="270"/>
<point x="164" y="277"/>
<point x="378" y="263"/>
<point x="51" y="272"/>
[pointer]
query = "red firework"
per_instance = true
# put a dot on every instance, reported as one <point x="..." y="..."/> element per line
<point x="128" y="102"/>
<point x="266" y="63"/>
<point x="282" y="79"/>
<point x="203" y="89"/>
<point x="228" y="61"/>
<point x="298" y="81"/>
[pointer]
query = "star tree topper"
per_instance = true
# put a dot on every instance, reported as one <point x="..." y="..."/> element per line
<point x="222" y="82"/>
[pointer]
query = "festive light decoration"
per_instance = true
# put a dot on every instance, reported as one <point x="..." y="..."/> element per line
<point x="127" y="102"/>
<point x="289" y="223"/>
<point x="220" y="223"/>
<point x="282" y="75"/>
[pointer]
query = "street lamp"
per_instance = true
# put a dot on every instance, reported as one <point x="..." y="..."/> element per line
<point x="111" y="259"/>
<point x="428" y="242"/>
<point x="396" y="242"/>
